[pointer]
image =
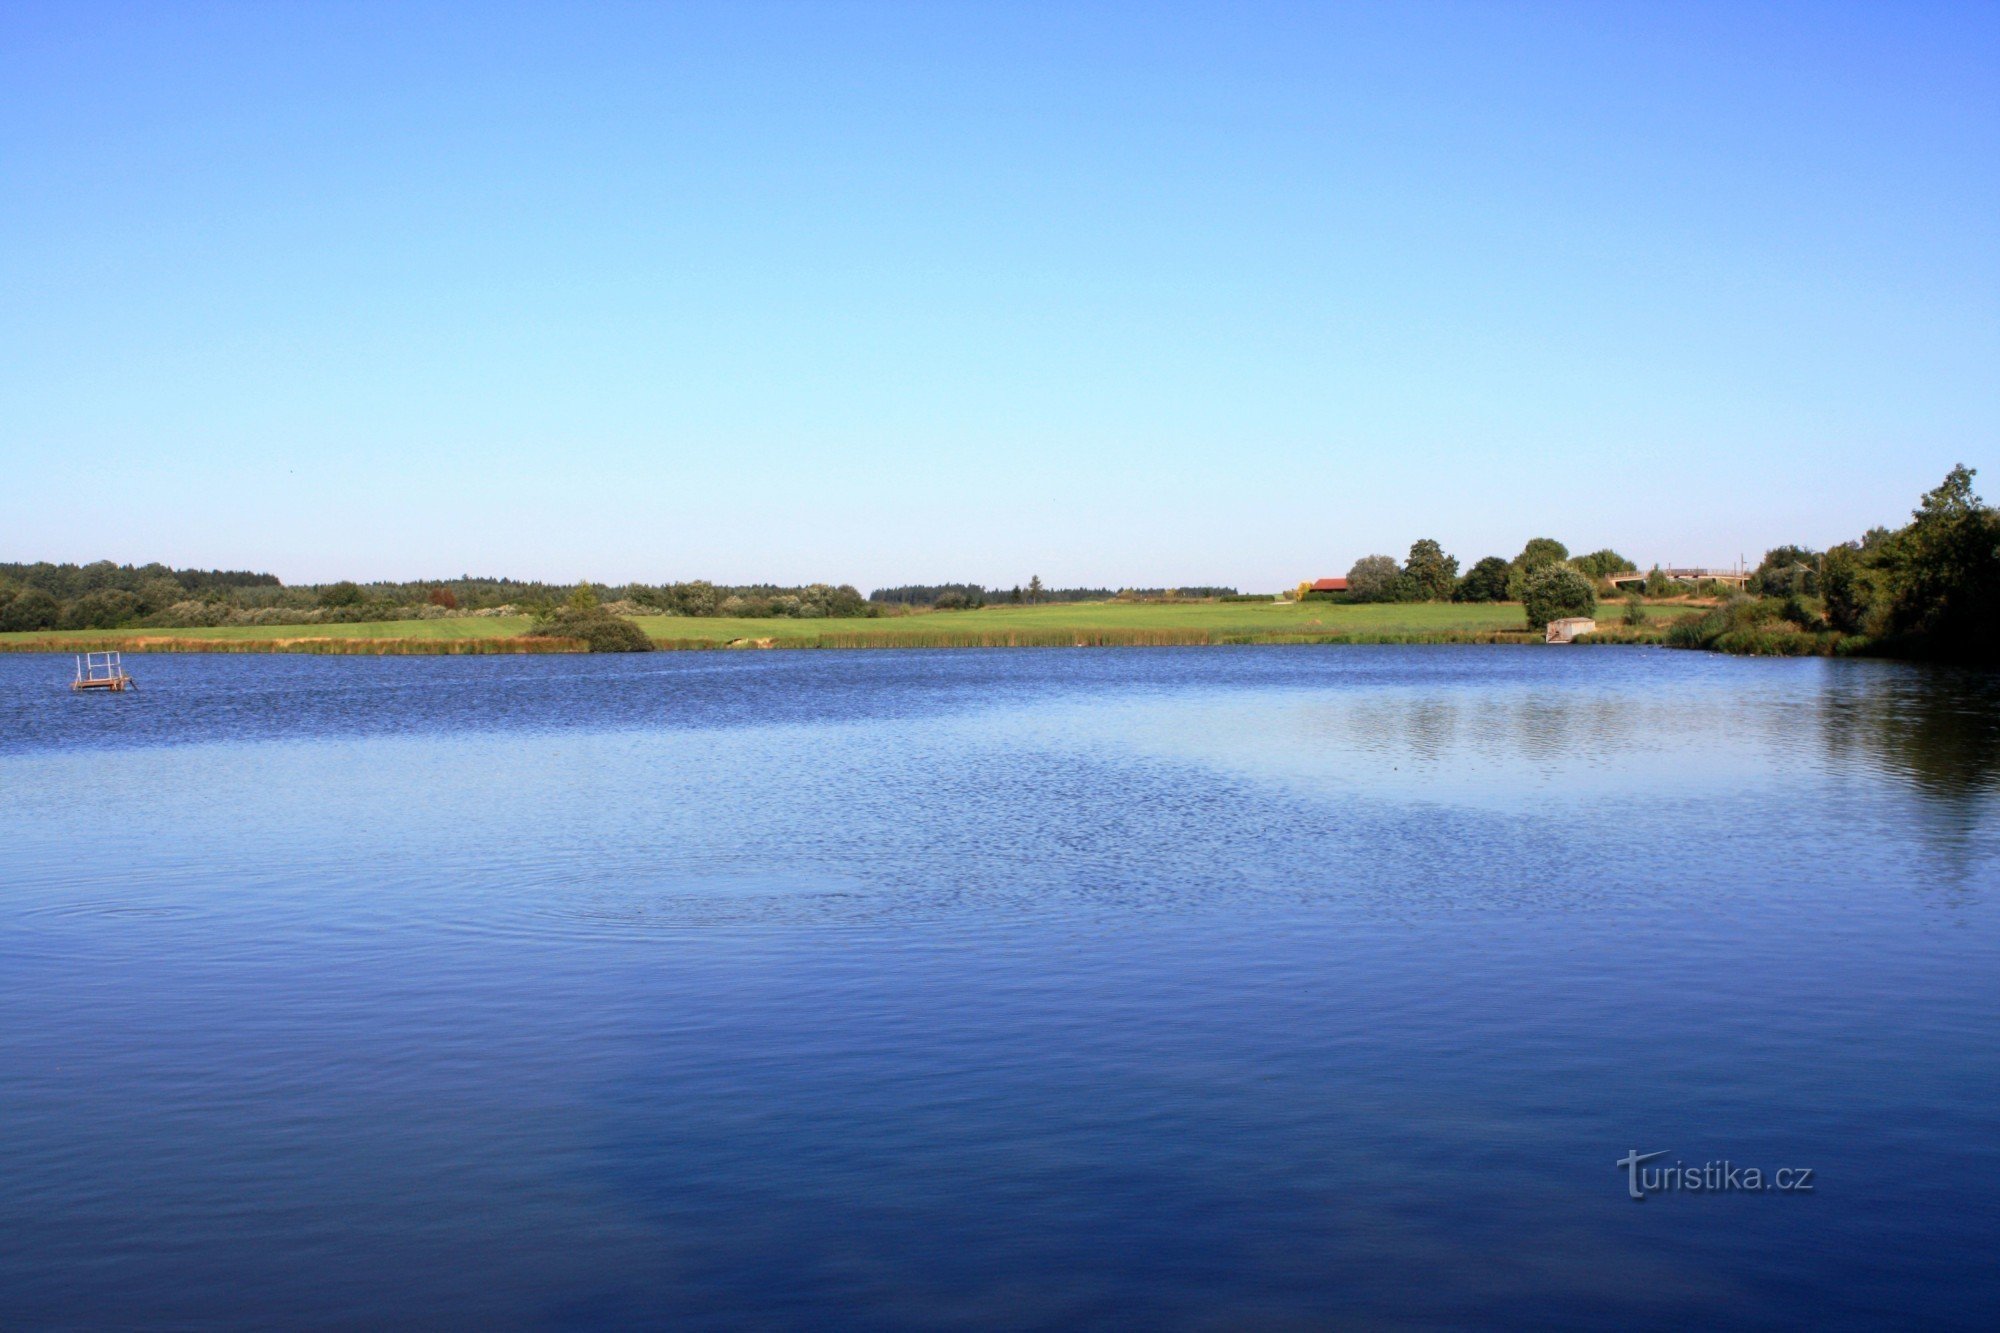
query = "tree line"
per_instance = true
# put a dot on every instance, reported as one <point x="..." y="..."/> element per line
<point x="1544" y="577"/>
<point x="971" y="596"/>
<point x="108" y="596"/>
<point x="105" y="596"/>
<point x="1930" y="588"/>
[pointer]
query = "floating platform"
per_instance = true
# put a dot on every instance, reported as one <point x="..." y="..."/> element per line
<point x="101" y="671"/>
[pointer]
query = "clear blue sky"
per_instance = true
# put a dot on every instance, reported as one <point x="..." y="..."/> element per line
<point x="1145" y="294"/>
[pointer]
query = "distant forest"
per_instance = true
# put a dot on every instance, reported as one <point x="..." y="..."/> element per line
<point x="957" y="596"/>
<point x="104" y="595"/>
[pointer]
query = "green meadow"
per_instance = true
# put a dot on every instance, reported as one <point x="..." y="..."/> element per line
<point x="1091" y="623"/>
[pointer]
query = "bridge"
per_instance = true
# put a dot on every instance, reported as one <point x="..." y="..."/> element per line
<point x="1690" y="574"/>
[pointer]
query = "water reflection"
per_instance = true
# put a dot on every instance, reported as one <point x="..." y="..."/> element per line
<point x="1935" y="728"/>
<point x="1935" y="733"/>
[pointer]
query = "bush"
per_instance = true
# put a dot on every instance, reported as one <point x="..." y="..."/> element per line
<point x="1635" y="610"/>
<point x="190" y="614"/>
<point x="1795" y="610"/>
<point x="613" y="634"/>
<point x="1740" y="625"/>
<point x="1556" y="591"/>
<point x="583" y="619"/>
<point x="602" y="631"/>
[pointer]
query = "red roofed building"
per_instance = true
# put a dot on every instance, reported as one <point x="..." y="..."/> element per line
<point x="1329" y="585"/>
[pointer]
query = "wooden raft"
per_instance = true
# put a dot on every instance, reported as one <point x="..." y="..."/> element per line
<point x="101" y="671"/>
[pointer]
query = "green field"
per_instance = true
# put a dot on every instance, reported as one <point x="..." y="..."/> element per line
<point x="1076" y="622"/>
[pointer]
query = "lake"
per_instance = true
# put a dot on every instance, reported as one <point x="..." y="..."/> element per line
<point x="1128" y="988"/>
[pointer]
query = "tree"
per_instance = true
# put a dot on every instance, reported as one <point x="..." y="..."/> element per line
<point x="1556" y="591"/>
<point x="158" y="594"/>
<point x="1850" y="590"/>
<point x="1539" y="551"/>
<point x="824" y="599"/>
<point x="1603" y="564"/>
<point x="443" y="597"/>
<point x="32" y="610"/>
<point x="1787" y="569"/>
<point x="1484" y="582"/>
<point x="106" y="608"/>
<point x="1376" y="578"/>
<point x="1944" y="572"/>
<point x="343" y="593"/>
<point x="1034" y="589"/>
<point x="1433" y="573"/>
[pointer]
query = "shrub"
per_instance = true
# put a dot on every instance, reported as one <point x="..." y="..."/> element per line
<point x="1635" y="610"/>
<point x="1556" y="591"/>
<point x="614" y="634"/>
<point x="602" y="631"/>
<point x="1795" y="610"/>
<point x="190" y="613"/>
<point x="1693" y="631"/>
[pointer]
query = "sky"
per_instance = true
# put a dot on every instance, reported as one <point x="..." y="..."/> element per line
<point x="1119" y="295"/>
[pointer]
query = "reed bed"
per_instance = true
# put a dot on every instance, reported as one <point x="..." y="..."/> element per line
<point x="1006" y="638"/>
<point x="1025" y="637"/>
<point x="1653" y="636"/>
<point x="1109" y="638"/>
<point x="331" y="647"/>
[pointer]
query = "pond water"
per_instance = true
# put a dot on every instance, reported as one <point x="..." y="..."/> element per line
<point x="1149" y="988"/>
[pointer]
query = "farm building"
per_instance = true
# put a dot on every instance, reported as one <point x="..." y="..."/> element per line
<point x="1328" y="585"/>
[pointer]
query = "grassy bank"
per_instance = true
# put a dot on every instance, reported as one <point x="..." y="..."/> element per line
<point x="1087" y="623"/>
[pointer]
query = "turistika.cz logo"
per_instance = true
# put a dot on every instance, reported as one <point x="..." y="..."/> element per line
<point x="1724" y="1177"/>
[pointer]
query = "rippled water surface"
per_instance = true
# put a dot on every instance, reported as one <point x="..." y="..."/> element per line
<point x="1292" y="987"/>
